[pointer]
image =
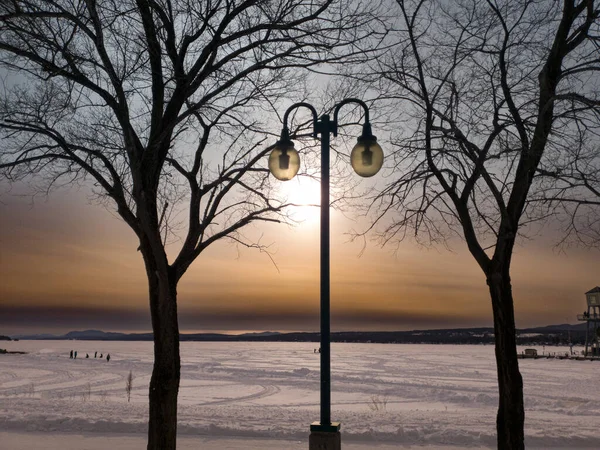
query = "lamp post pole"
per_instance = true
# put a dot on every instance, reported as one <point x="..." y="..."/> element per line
<point x="366" y="159"/>
<point x="325" y="128"/>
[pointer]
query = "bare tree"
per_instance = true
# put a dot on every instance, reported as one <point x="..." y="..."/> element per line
<point x="569" y="186"/>
<point x="159" y="105"/>
<point x="483" y="92"/>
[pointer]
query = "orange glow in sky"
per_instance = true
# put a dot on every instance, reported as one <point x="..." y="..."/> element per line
<point x="66" y="264"/>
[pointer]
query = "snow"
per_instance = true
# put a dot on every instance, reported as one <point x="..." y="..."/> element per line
<point x="244" y="395"/>
<point x="21" y="441"/>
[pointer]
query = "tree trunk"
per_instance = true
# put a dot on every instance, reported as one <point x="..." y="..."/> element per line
<point x="511" y="414"/>
<point x="164" y="384"/>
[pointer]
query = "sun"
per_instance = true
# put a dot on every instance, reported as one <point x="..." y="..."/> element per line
<point x="306" y="194"/>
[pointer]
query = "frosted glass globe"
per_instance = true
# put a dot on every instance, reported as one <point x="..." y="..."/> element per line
<point x="366" y="157"/>
<point x="284" y="161"/>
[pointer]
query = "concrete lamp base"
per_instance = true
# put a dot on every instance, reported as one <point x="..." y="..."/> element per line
<point x="325" y="437"/>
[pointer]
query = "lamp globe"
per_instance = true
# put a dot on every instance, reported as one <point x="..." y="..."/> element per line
<point x="366" y="156"/>
<point x="284" y="161"/>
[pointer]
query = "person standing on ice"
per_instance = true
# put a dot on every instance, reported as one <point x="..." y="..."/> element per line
<point x="95" y="354"/>
<point x="71" y="355"/>
<point x="107" y="357"/>
<point x="75" y="355"/>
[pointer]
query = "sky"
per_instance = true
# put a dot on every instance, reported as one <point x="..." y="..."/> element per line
<point x="67" y="263"/>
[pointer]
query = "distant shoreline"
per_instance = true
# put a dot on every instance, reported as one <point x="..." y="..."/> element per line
<point x="550" y="335"/>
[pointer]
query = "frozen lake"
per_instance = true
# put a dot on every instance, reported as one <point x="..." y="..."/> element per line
<point x="240" y="394"/>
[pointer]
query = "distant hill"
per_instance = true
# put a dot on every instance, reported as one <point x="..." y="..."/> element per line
<point x="90" y="335"/>
<point x="547" y="335"/>
<point x="5" y="338"/>
<point x="262" y="333"/>
<point x="561" y="327"/>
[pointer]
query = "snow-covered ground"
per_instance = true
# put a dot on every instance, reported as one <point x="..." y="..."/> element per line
<point x="243" y="395"/>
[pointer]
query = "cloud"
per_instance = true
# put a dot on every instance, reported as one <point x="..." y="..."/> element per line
<point x="25" y="319"/>
<point x="39" y="319"/>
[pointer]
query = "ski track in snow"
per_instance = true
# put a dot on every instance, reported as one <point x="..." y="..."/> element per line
<point x="405" y="394"/>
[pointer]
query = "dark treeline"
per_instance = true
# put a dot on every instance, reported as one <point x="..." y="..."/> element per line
<point x="552" y="335"/>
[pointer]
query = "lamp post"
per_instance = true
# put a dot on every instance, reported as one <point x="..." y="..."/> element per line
<point x="366" y="159"/>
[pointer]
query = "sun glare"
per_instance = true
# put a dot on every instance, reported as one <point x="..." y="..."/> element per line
<point x="306" y="194"/>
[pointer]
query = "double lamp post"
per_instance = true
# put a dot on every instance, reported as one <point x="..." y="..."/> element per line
<point x="366" y="159"/>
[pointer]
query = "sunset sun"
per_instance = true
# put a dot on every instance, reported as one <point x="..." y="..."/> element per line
<point x="305" y="194"/>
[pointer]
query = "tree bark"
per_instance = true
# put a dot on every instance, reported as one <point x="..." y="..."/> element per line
<point x="511" y="414"/>
<point x="164" y="384"/>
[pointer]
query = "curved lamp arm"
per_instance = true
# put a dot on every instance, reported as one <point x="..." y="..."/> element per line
<point x="285" y="133"/>
<point x="367" y="124"/>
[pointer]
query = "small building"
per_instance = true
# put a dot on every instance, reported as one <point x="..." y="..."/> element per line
<point x="593" y="297"/>
<point x="531" y="353"/>
<point x="592" y="319"/>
